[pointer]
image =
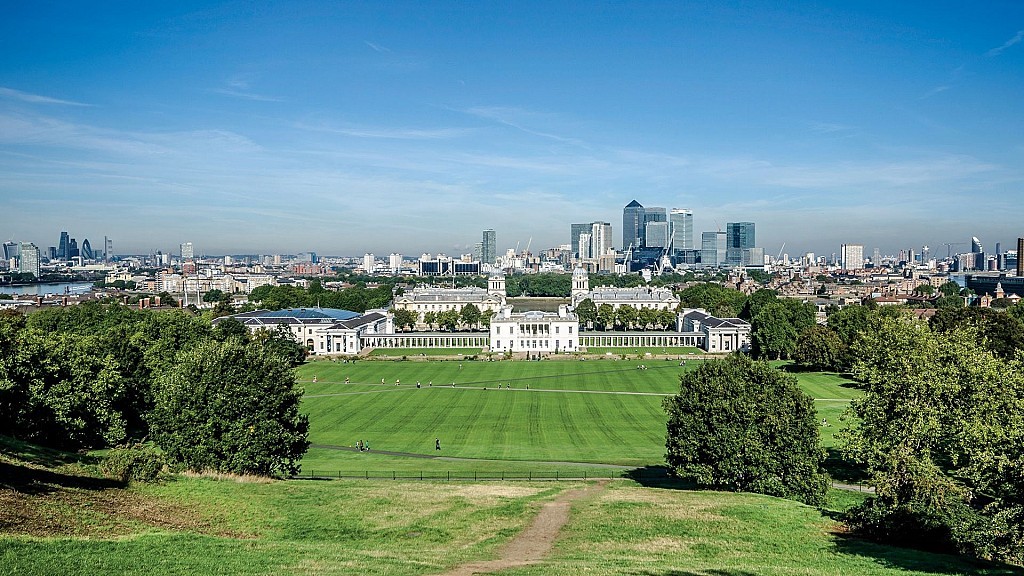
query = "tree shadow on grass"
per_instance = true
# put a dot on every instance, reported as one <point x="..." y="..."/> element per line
<point x="843" y="470"/>
<point x="928" y="562"/>
<point x="701" y="573"/>
<point x="40" y="455"/>
<point x="659" y="477"/>
<point x="36" y="481"/>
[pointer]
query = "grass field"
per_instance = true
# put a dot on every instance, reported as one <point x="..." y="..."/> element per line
<point x="557" y="415"/>
<point x="191" y="526"/>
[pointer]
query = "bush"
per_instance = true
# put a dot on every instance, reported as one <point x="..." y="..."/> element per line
<point x="136" y="463"/>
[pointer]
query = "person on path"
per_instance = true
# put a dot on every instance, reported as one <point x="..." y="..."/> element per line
<point x="437" y="443"/>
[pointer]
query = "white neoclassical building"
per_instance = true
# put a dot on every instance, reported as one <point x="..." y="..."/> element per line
<point x="535" y="332"/>
<point x="657" y="298"/>
<point x="431" y="299"/>
<point x="720" y="334"/>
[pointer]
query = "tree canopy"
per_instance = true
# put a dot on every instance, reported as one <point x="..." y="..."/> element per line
<point x="230" y="407"/>
<point x="737" y="424"/>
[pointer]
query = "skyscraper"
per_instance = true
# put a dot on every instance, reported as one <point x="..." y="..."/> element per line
<point x="11" y="251"/>
<point x="976" y="246"/>
<point x="681" y="230"/>
<point x="72" y="249"/>
<point x="187" y="252"/>
<point x="851" y="256"/>
<point x="740" y="236"/>
<point x="1020" y="257"/>
<point x="64" y="248"/>
<point x="488" y="248"/>
<point x="28" y="262"/>
<point x="656" y="235"/>
<point x="574" y="237"/>
<point x="87" y="250"/>
<point x="632" y="225"/>
<point x="713" y="248"/>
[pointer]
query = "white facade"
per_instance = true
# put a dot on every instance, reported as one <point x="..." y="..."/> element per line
<point x="534" y="332"/>
<point x="852" y="256"/>
<point x="368" y="263"/>
<point x="720" y="334"/>
<point x="423" y="300"/>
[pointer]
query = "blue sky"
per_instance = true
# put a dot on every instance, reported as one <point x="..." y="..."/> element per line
<point x="351" y="127"/>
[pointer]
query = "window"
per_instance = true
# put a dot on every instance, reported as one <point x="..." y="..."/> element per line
<point x="556" y="329"/>
<point x="497" y="329"/>
<point x="570" y="329"/>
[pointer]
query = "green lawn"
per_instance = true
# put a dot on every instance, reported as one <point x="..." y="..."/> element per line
<point x="556" y="411"/>
<point x="200" y="526"/>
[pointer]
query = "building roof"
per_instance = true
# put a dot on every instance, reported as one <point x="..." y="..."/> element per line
<point x="358" y="322"/>
<point x="295" y="316"/>
<point x="710" y="321"/>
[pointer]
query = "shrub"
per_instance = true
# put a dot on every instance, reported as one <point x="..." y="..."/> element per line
<point x="137" y="463"/>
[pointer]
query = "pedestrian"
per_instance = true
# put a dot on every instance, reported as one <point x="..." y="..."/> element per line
<point x="381" y="380"/>
<point x="437" y="443"/>
<point x="367" y="445"/>
<point x="346" y="379"/>
<point x="314" y="377"/>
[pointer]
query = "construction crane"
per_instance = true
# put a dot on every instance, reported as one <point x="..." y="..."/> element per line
<point x="949" y="247"/>
<point x="779" y="257"/>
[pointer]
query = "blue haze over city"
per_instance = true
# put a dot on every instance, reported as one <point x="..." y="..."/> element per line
<point x="344" y="128"/>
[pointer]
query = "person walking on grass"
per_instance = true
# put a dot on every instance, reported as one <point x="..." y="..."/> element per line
<point x="437" y="443"/>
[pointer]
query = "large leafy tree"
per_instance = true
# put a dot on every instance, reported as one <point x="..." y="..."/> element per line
<point x="742" y="425"/>
<point x="820" y="348"/>
<point x="587" y="312"/>
<point x="230" y="407"/>
<point x="626" y="316"/>
<point x="405" y="319"/>
<point x="715" y="298"/>
<point x="941" y="430"/>
<point x="772" y="333"/>
<point x="606" y="315"/>
<point x="470" y="315"/>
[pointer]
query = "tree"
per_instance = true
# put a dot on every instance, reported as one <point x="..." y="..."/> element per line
<point x="430" y="318"/>
<point x="230" y="328"/>
<point x="647" y="318"/>
<point x="215" y="295"/>
<point x="230" y="407"/>
<point x="606" y="316"/>
<point x="715" y="298"/>
<point x="586" y="311"/>
<point x="941" y="432"/>
<point x="470" y="315"/>
<point x="404" y="318"/>
<point x="819" y="348"/>
<point x="666" y="319"/>
<point x="448" y="320"/>
<point x="1001" y="333"/>
<point x="742" y="425"/>
<point x="772" y="333"/>
<point x="625" y="316"/>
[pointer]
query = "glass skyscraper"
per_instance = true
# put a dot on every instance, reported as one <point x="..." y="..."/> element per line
<point x="740" y="237"/>
<point x="488" y="248"/>
<point x="681" y="230"/>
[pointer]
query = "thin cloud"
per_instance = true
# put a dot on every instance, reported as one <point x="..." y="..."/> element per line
<point x="390" y="133"/>
<point x="1012" y="41"/>
<point x="36" y="98"/>
<point x="377" y="47"/>
<point x="238" y="86"/>
<point x="934" y="91"/>
<point x="512" y="117"/>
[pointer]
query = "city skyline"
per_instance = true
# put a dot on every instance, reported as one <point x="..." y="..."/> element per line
<point x="406" y="128"/>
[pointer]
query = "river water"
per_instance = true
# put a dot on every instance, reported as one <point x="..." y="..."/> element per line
<point x="44" y="289"/>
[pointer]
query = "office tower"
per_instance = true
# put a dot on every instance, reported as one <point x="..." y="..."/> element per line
<point x="51" y="253"/>
<point x="740" y="236"/>
<point x="488" y="248"/>
<point x="656" y="235"/>
<point x="28" y="262"/>
<point x="753" y="257"/>
<point x="87" y="250"/>
<point x="999" y="256"/>
<point x="876" y="258"/>
<point x="851" y="256"/>
<point x="574" y="237"/>
<point x="368" y="263"/>
<point x="652" y="214"/>
<point x="601" y="238"/>
<point x="713" y="246"/>
<point x="108" y="249"/>
<point x="632" y="225"/>
<point x="11" y="251"/>
<point x="64" y="247"/>
<point x="73" y="249"/>
<point x="681" y="230"/>
<point x="1020" y="257"/>
<point x="395" y="262"/>
<point x="976" y="246"/>
<point x="187" y="251"/>
<point x="583" y="248"/>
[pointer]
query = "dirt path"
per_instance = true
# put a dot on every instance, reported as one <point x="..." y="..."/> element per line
<point x="533" y="544"/>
